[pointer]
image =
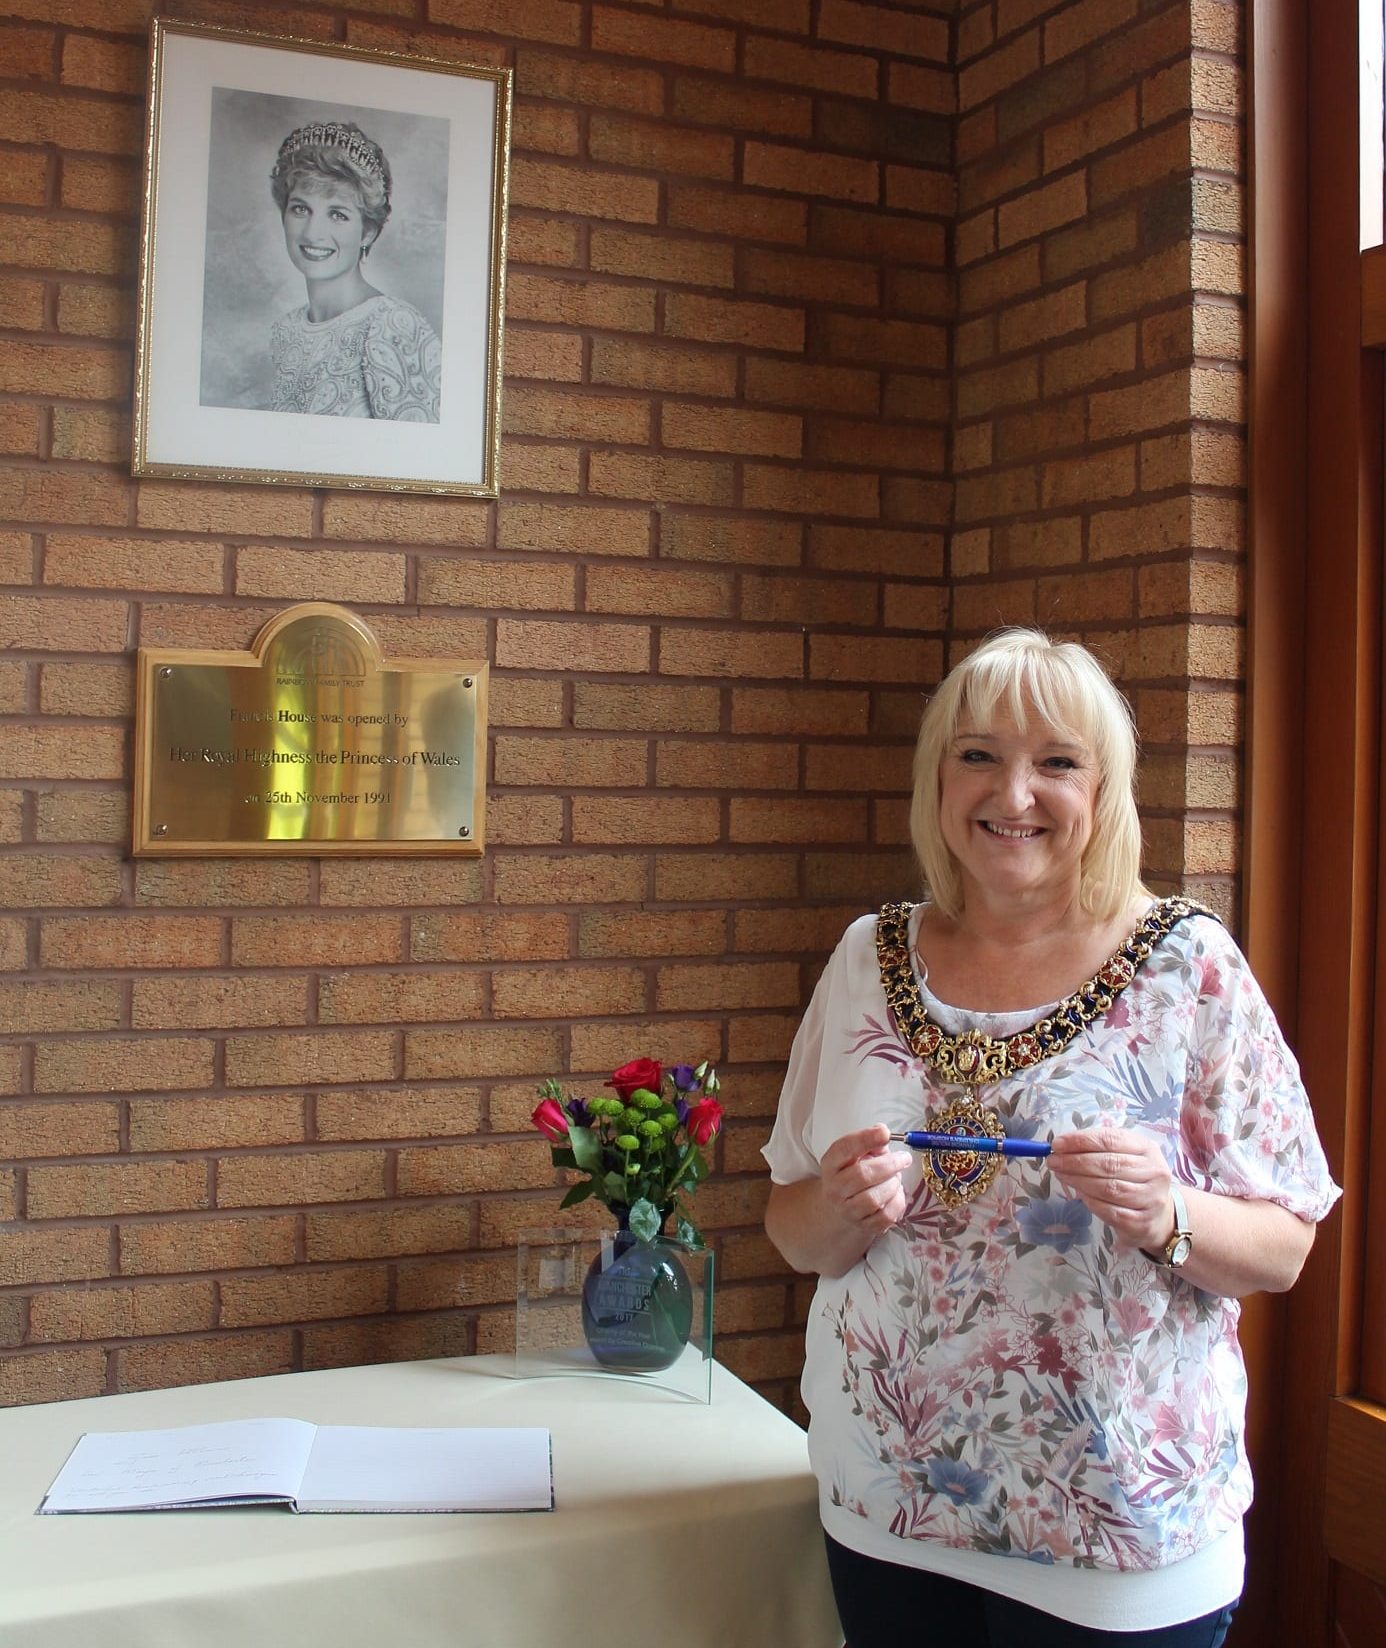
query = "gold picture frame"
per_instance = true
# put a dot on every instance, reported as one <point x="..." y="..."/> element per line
<point x="322" y="265"/>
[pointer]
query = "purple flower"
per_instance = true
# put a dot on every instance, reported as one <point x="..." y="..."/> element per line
<point x="951" y="1477"/>
<point x="577" y="1109"/>
<point x="1056" y="1221"/>
<point x="681" y="1108"/>
<point x="685" y="1077"/>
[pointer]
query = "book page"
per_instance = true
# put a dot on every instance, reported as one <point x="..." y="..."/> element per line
<point x="233" y="1461"/>
<point x="359" y="1468"/>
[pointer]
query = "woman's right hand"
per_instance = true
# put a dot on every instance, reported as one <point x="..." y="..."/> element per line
<point x="863" y="1182"/>
<point x="826" y="1224"/>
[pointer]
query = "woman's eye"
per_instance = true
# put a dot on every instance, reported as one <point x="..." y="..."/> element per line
<point x="1062" y="763"/>
<point x="975" y="758"/>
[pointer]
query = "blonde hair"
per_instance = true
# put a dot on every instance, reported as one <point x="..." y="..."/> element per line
<point x="1024" y="672"/>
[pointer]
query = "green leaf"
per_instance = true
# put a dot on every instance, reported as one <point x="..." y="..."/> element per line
<point x="587" y="1150"/>
<point x="563" y="1158"/>
<point x="644" y="1219"/>
<point x="689" y="1234"/>
<point x="578" y="1193"/>
<point x="615" y="1186"/>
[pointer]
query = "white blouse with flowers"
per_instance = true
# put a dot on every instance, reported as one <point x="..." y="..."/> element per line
<point x="1007" y="1379"/>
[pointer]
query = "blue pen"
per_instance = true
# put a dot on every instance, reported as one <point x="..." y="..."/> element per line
<point x="985" y="1146"/>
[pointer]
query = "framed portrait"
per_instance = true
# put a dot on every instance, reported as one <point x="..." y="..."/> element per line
<point x="322" y="265"/>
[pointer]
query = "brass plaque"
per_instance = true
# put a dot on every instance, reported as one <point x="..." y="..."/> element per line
<point x="308" y="744"/>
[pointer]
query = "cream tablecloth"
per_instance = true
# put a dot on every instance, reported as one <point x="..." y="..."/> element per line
<point x="677" y="1525"/>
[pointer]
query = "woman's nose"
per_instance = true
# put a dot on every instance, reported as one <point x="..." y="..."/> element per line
<point x="1016" y="788"/>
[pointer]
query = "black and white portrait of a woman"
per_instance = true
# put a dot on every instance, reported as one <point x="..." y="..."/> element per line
<point x="324" y="270"/>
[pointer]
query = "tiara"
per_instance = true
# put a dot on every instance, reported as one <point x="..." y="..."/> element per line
<point x="333" y="134"/>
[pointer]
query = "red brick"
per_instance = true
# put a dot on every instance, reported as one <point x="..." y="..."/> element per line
<point x="652" y="933"/>
<point x="729" y="539"/>
<point x="220" y="883"/>
<point x="412" y="997"/>
<point x="695" y="877"/>
<point x="480" y="1050"/>
<point x="898" y="34"/>
<point x="810" y="491"/>
<point x="194" y="1124"/>
<point x="281" y="1059"/>
<point x="562" y="186"/>
<point x="918" y="87"/>
<point x="565" y="762"/>
<point x="584" y="80"/>
<point x="657" y="819"/>
<point x="878" y="658"/>
<point x="875" y="549"/>
<point x="787" y="820"/>
<point x="570" y="878"/>
<point x="813" y="279"/>
<point x="695" y="44"/>
<point x="58" y="880"/>
<point x="722" y="320"/>
<point x="581" y="528"/>
<point x="1042" y="209"/>
<point x="736" y="106"/>
<point x="984" y="79"/>
<point x="547" y="241"/>
<point x="808" y="601"/>
<point x="733" y="653"/>
<point x="812" y="711"/>
<point x="567" y="991"/>
<point x="156" y="1247"/>
<point x="196" y="1361"/>
<point x="661" y="478"/>
<point x="735" y="213"/>
<point x="795" y="384"/>
<point x="887" y="342"/>
<point x="555" y="357"/>
<point x="717" y="429"/>
<point x="321" y="940"/>
<point x="568" y="413"/>
<point x="581" y="303"/>
<point x="672" y="594"/>
<point x="811" y="172"/>
<point x="661" y="256"/>
<point x="116" y="1188"/>
<point x="579" y="648"/>
<point x="846" y="74"/>
<point x="680" y="368"/>
<point x="324" y="575"/>
<point x="482" y="937"/>
<point x="648" y="707"/>
<point x="496" y="585"/>
<point x="51" y="1376"/>
<point x="548" y="130"/>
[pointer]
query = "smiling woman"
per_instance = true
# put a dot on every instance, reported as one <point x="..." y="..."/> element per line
<point x="349" y="351"/>
<point x="1037" y="1360"/>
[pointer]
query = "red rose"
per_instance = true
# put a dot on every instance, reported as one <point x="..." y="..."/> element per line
<point x="551" y="1120"/>
<point x="646" y="1073"/>
<point x="703" y="1121"/>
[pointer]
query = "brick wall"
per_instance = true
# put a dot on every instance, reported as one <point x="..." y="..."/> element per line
<point x="1099" y="440"/>
<point x="262" y="1115"/>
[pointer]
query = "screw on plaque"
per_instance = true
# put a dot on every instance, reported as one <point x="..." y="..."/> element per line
<point x="161" y="829"/>
<point x="464" y="830"/>
<point x="165" y="671"/>
<point x="466" y="680"/>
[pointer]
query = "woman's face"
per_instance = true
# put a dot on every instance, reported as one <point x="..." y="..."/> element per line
<point x="323" y="228"/>
<point x="1016" y="808"/>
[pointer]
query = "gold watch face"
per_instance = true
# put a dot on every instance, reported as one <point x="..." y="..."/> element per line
<point x="1178" y="1250"/>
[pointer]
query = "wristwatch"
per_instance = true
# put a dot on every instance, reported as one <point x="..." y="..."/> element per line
<point x="1180" y="1245"/>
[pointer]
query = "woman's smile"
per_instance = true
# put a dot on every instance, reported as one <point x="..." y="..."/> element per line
<point x="325" y="233"/>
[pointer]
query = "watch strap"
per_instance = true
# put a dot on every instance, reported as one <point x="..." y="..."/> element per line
<point x="1181" y="1234"/>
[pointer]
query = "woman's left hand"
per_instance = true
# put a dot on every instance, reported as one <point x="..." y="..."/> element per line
<point x="1122" y="1175"/>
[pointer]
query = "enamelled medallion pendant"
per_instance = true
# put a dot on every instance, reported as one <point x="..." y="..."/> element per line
<point x="957" y="1176"/>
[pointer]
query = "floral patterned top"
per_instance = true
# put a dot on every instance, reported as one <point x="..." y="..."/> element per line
<point x="1007" y="1378"/>
<point x="379" y="359"/>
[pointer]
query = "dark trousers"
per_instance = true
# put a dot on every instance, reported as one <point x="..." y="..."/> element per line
<point x="881" y="1604"/>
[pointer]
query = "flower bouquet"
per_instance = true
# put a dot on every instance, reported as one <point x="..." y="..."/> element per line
<point x="641" y="1150"/>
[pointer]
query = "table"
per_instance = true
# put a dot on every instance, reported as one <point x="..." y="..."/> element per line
<point x="677" y="1525"/>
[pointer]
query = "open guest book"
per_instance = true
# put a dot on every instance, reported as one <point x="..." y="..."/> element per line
<point x="306" y="1467"/>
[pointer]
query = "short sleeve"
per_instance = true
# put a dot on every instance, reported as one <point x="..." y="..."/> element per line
<point x="402" y="363"/>
<point x="1246" y="1126"/>
<point x="788" y="1150"/>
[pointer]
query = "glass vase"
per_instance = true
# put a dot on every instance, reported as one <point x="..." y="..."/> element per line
<point x="637" y="1304"/>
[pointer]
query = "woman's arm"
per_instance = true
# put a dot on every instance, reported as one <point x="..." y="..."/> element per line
<point x="1239" y="1246"/>
<point x="826" y="1224"/>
